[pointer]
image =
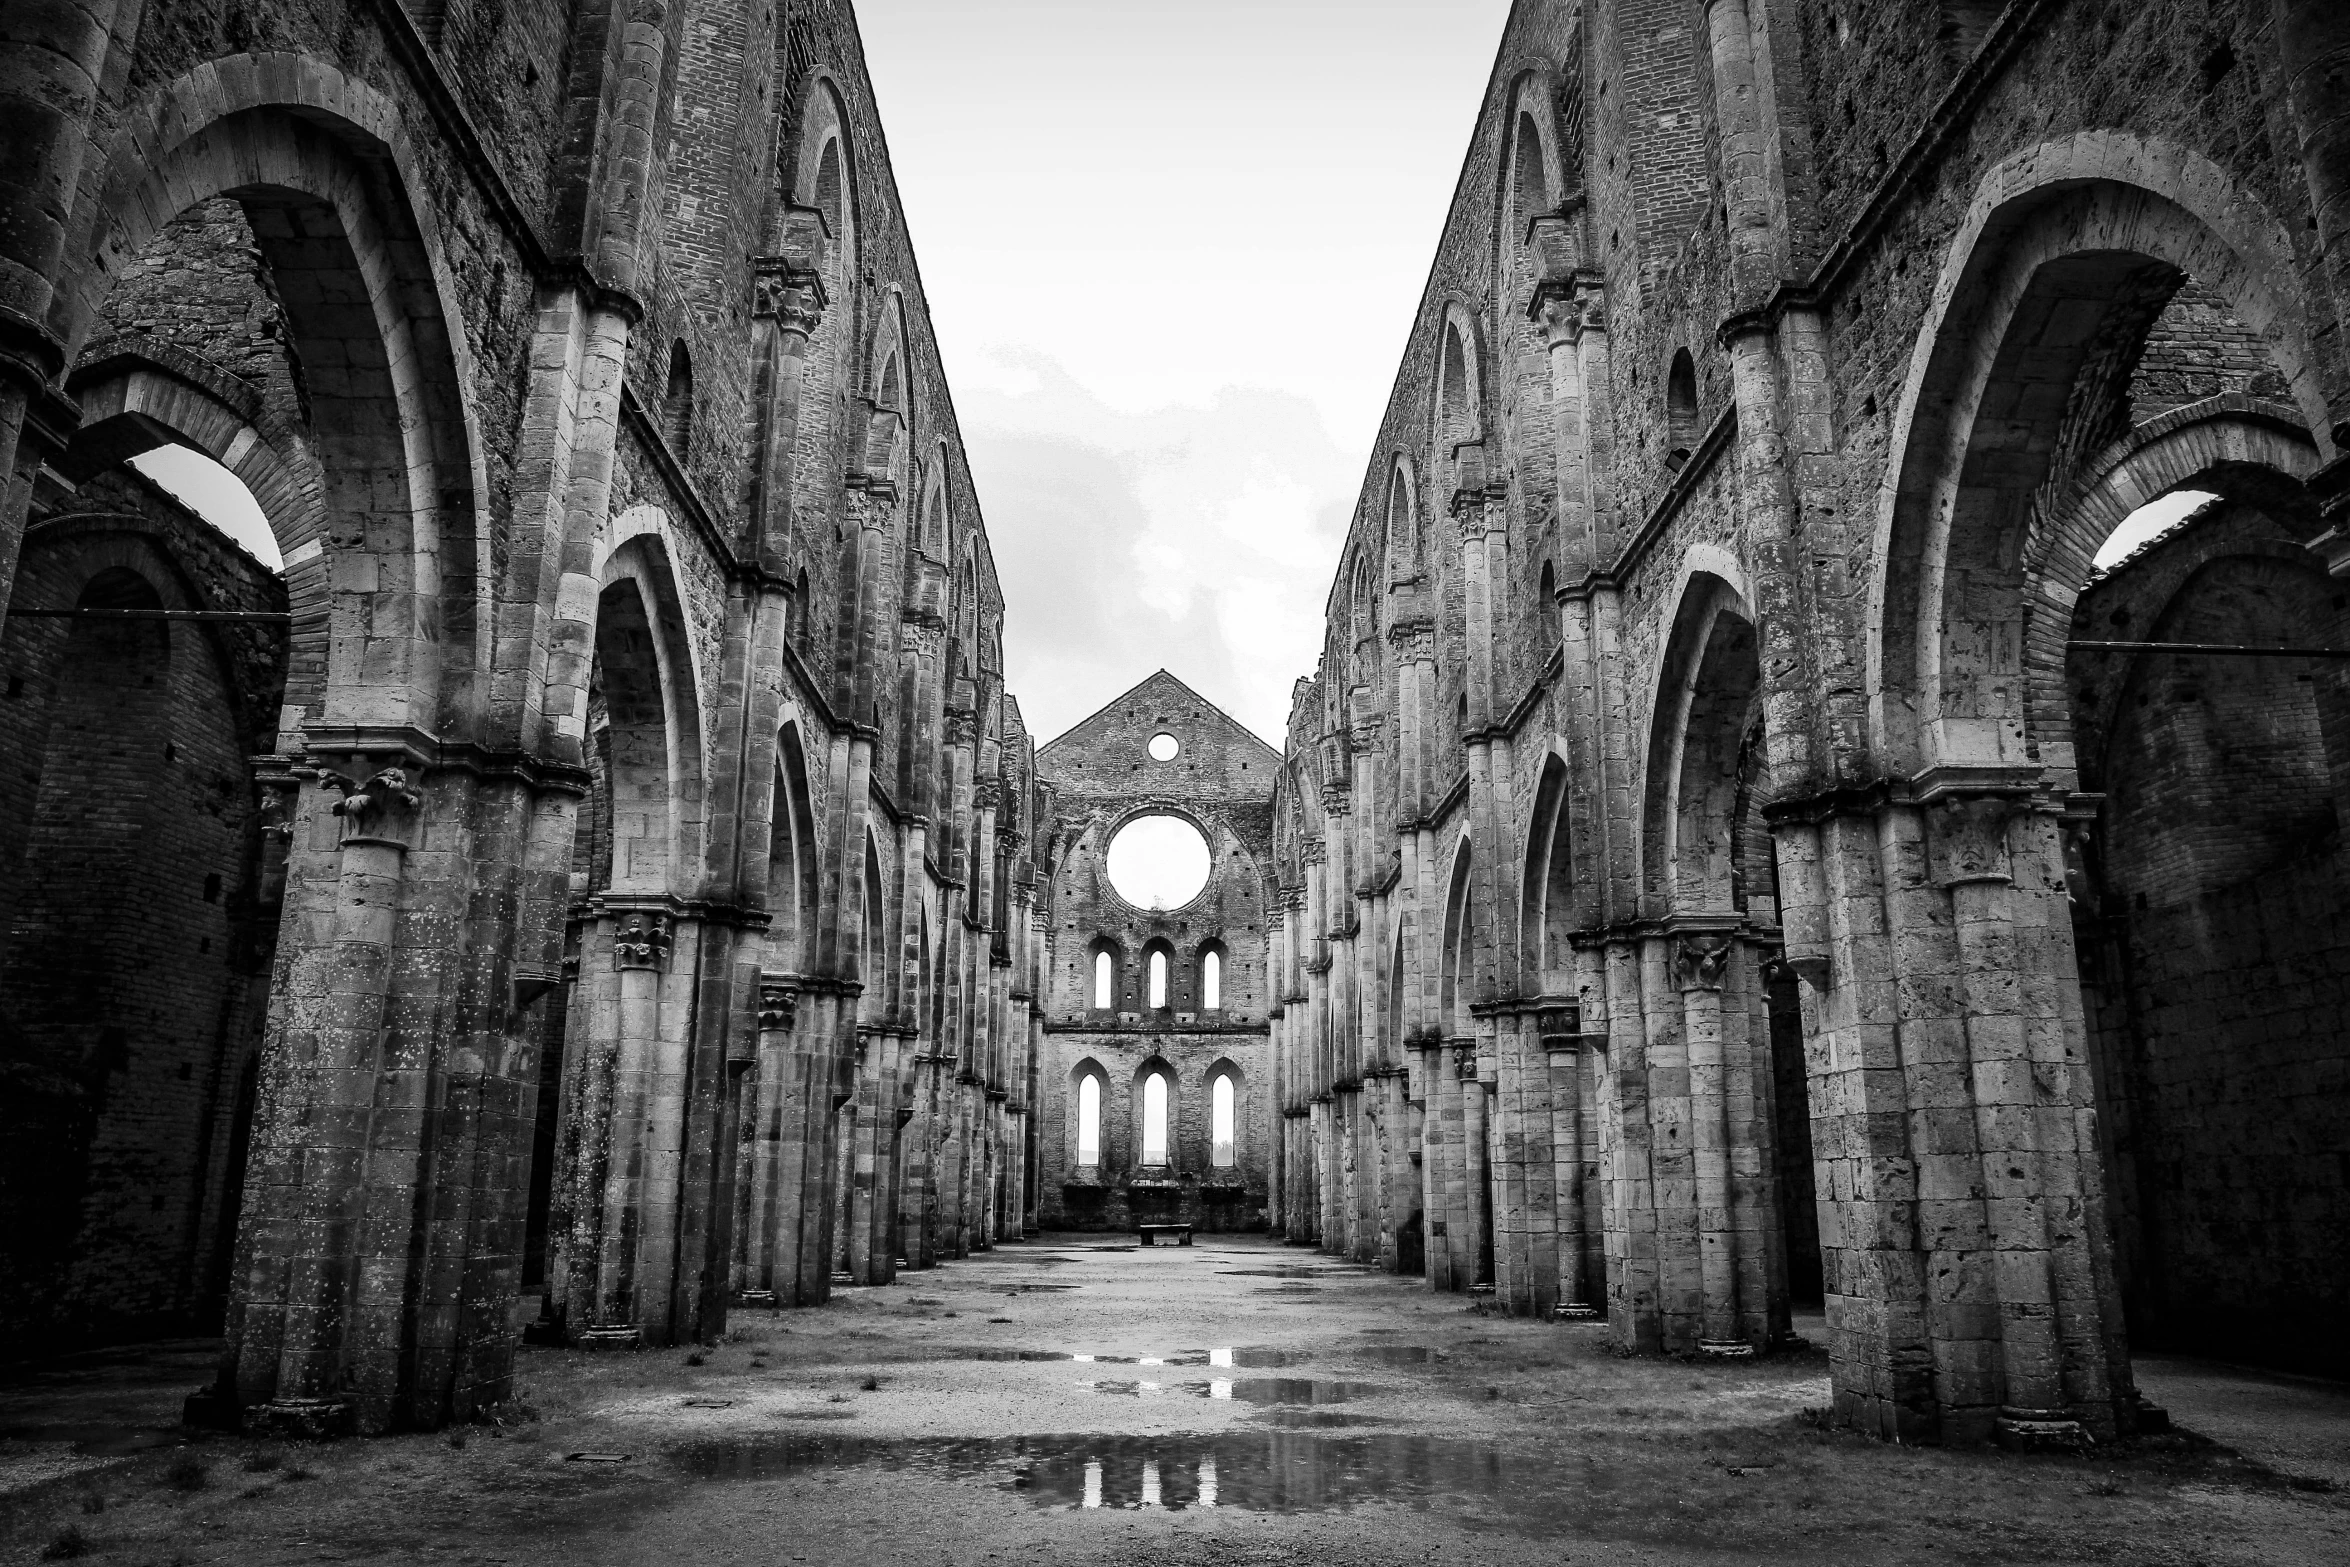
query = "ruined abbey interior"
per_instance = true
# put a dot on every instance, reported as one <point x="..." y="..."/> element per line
<point x="1753" y="873"/>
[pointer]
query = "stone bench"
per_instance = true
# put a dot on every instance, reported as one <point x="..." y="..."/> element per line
<point x="1149" y="1234"/>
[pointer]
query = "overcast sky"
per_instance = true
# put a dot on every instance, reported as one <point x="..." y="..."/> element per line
<point x="1172" y="250"/>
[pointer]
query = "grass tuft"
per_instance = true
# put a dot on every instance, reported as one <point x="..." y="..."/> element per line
<point x="188" y="1473"/>
<point x="66" y="1544"/>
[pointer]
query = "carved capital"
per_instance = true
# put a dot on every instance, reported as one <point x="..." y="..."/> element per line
<point x="779" y="1003"/>
<point x="380" y="809"/>
<point x="1701" y="962"/>
<point x="642" y="941"/>
<point x="792" y="297"/>
<point x="1966" y="837"/>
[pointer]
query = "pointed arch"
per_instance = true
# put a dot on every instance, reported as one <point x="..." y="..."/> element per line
<point x="1457" y="977"/>
<point x="1708" y="690"/>
<point x="651" y="709"/>
<point x="793" y="871"/>
<point x="1549" y="909"/>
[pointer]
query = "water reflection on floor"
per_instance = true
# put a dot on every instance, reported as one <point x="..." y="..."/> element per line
<point x="1241" y="1357"/>
<point x="1246" y="1390"/>
<point x="1272" y="1472"/>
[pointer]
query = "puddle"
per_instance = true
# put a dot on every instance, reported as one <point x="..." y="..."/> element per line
<point x="1279" y="1273"/>
<point x="1316" y="1419"/>
<point x="1286" y="1390"/>
<point x="1291" y="1471"/>
<point x="1136" y="1389"/>
<point x="1265" y="1357"/>
<point x="1038" y="1289"/>
<point x="1009" y="1354"/>
<point x="815" y="1414"/>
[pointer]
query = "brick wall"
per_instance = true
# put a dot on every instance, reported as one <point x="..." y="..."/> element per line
<point x="139" y="924"/>
<point x="2215" y="935"/>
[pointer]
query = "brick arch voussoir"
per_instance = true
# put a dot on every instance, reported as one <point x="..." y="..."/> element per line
<point x="288" y="121"/>
<point x="2218" y="443"/>
<point x="202" y="419"/>
<point x="2101" y="192"/>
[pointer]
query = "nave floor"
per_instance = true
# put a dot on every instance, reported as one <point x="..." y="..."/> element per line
<point x="1076" y="1400"/>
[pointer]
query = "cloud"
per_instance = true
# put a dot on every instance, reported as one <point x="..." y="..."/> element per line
<point x="1195" y="537"/>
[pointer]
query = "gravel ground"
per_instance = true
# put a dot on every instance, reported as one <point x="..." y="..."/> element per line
<point x="1076" y="1400"/>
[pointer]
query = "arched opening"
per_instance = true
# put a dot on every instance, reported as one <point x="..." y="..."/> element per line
<point x="1713" y="869"/>
<point x="1549" y="911"/>
<point x="1468" y="1257"/>
<point x="146" y="845"/>
<point x="1154" y="1118"/>
<point x="140" y="916"/>
<point x="1680" y="410"/>
<point x="2213" y="888"/>
<point x="1211" y="980"/>
<point x="1404" y="545"/>
<point x="1089" y="1121"/>
<point x="677" y="402"/>
<point x="1156" y="965"/>
<point x="2200" y="881"/>
<point x="1102" y="974"/>
<point x="1223" y="1123"/>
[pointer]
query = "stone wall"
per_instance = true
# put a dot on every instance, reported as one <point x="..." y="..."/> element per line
<point x="635" y="770"/>
<point x="1103" y="776"/>
<point x="1783" y="365"/>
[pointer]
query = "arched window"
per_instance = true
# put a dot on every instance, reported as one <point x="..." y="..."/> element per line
<point x="677" y="401"/>
<point x="1089" y="1119"/>
<point x="1105" y="975"/>
<point x="1211" y="981"/>
<point x="1158" y="979"/>
<point x="1154" y="1118"/>
<point x="1680" y="411"/>
<point x="1222" y="1148"/>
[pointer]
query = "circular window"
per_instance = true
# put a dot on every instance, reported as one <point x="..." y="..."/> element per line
<point x="1164" y="747"/>
<point x="1158" y="862"/>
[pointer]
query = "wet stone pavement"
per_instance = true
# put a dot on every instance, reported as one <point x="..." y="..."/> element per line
<point x="1073" y="1400"/>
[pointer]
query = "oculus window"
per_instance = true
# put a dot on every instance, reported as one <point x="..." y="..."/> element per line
<point x="1158" y="862"/>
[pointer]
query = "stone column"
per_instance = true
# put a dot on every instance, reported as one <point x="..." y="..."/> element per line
<point x="1563" y="1058"/>
<point x="325" y="1064"/>
<point x="787" y="306"/>
<point x="52" y="58"/>
<point x="1700" y="968"/>
<point x="1636" y="1285"/>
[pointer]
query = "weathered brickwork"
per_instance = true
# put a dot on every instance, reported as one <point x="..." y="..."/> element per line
<point x="596" y="884"/>
<point x="138" y="920"/>
<point x="1707" y="875"/>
